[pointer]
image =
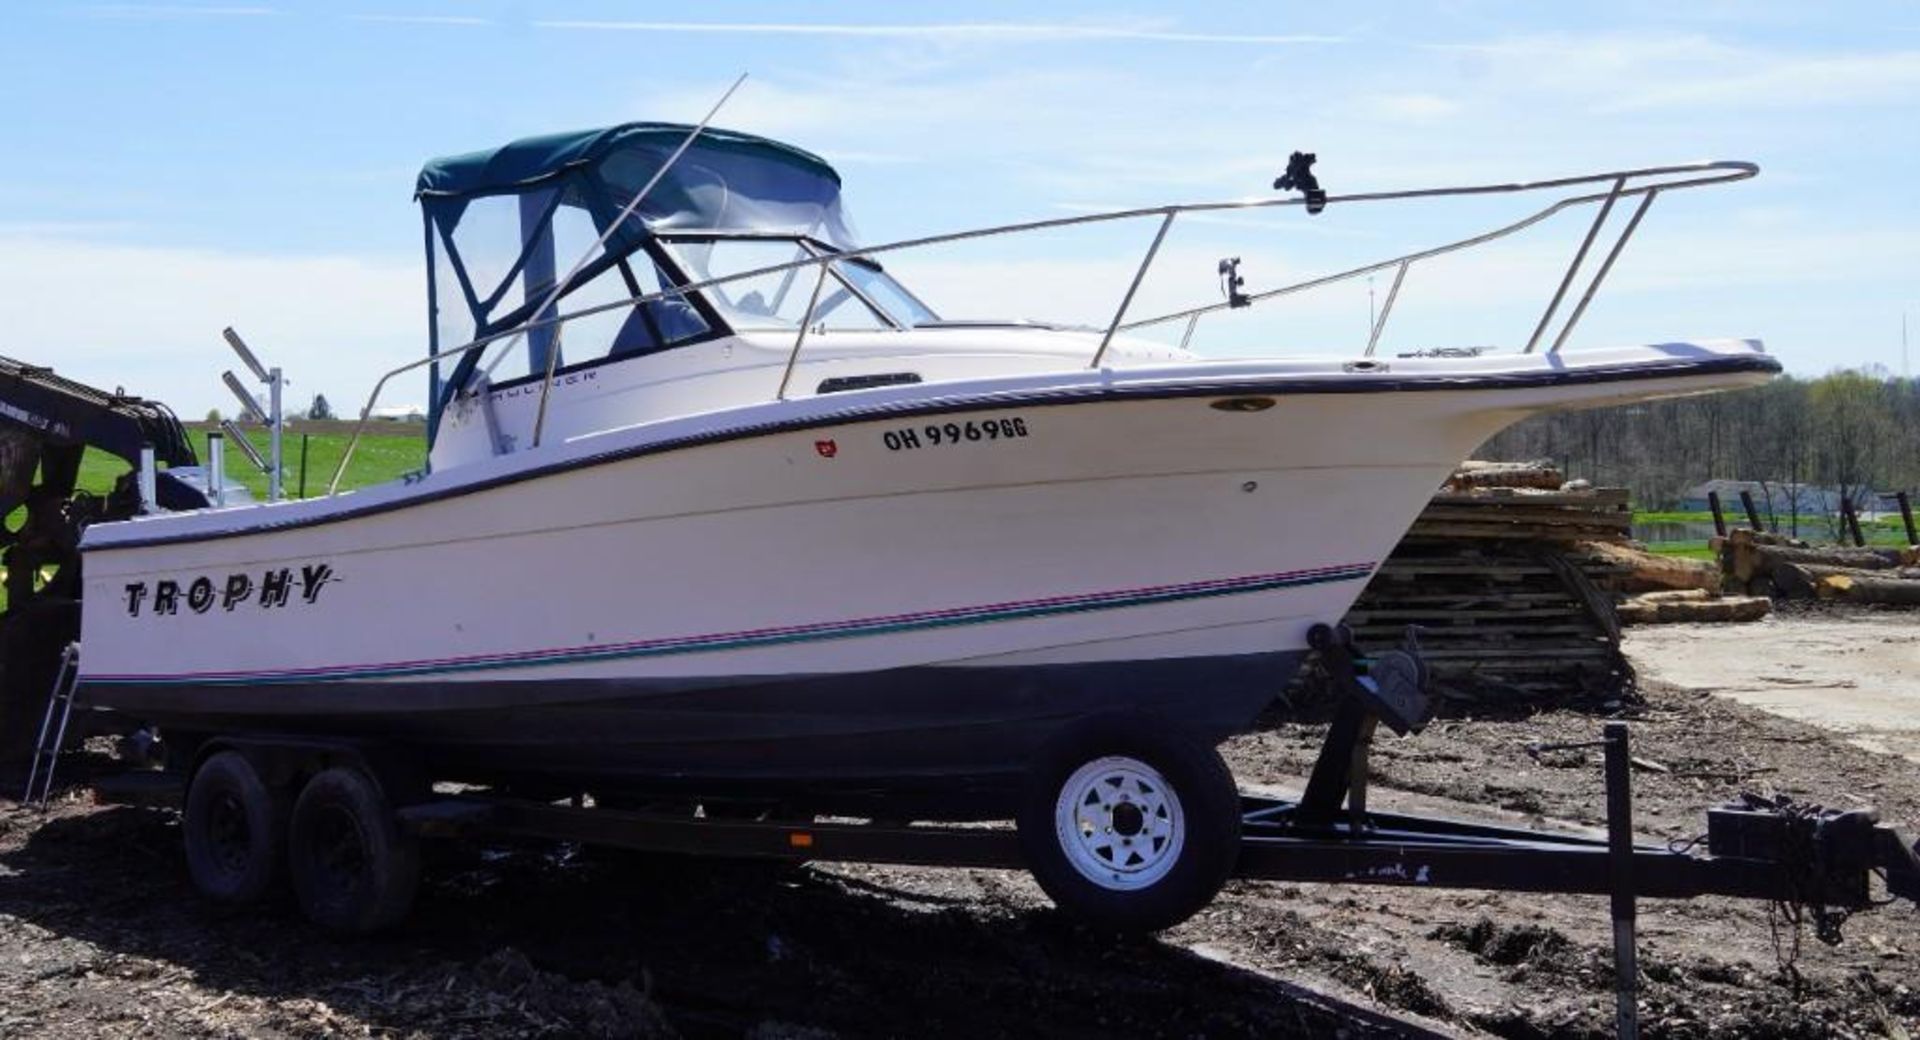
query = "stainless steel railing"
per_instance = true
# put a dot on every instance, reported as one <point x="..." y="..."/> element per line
<point x="1646" y="183"/>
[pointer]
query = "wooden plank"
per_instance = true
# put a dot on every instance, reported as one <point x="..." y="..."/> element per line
<point x="1550" y="517"/>
<point x="1358" y="614"/>
<point x="1463" y="599"/>
<point x="1414" y="565"/>
<point x="1531" y="532"/>
<point x="1583" y="652"/>
<point x="1543" y="638"/>
<point x="1595" y="497"/>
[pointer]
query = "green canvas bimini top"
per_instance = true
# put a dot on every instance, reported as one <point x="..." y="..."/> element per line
<point x="533" y="160"/>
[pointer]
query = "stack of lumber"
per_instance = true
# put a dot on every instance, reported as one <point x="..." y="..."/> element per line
<point x="1765" y="564"/>
<point x="1511" y="576"/>
<point x="1495" y="617"/>
<point x="1499" y="580"/>
<point x="1525" y="515"/>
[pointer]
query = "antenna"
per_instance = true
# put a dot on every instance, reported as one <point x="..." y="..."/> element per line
<point x="254" y="413"/>
<point x="246" y="356"/>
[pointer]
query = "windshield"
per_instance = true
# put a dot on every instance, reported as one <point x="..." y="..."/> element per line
<point x="857" y="294"/>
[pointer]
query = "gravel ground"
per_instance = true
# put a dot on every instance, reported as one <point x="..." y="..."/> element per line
<point x="100" y="933"/>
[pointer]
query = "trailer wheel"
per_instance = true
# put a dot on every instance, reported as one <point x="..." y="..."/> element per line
<point x="1129" y="826"/>
<point x="235" y="828"/>
<point x="354" y="870"/>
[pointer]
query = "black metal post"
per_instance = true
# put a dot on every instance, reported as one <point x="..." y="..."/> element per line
<point x="1626" y="968"/>
<point x="302" y="493"/>
<point x="1906" y="513"/>
<point x="1719" y="518"/>
<point x="1753" y="515"/>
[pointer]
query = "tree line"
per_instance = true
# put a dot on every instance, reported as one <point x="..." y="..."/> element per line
<point x="1856" y="431"/>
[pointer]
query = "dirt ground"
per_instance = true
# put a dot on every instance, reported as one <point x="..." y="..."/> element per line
<point x="100" y="933"/>
<point x="1856" y="671"/>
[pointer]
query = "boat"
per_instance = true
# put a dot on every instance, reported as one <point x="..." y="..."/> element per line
<point x="726" y="510"/>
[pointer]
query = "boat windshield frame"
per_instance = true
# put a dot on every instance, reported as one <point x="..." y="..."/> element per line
<point x="840" y="266"/>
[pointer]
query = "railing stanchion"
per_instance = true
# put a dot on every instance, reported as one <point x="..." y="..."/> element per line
<point x="546" y="385"/>
<point x="1187" y="336"/>
<point x="805" y="320"/>
<point x="1579" y="257"/>
<point x="1605" y="266"/>
<point x="1138" y="276"/>
<point x="1373" y="340"/>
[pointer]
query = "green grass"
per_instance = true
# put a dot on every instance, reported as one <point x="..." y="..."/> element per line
<point x="1885" y="532"/>
<point x="1692" y="550"/>
<point x="1648" y="516"/>
<point x="386" y="452"/>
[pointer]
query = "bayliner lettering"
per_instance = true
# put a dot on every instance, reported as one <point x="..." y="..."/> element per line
<point x="948" y="433"/>
<point x="274" y="587"/>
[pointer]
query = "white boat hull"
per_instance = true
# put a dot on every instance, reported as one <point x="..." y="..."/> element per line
<point x="858" y="595"/>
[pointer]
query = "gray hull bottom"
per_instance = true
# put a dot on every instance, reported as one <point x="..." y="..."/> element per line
<point x="840" y="739"/>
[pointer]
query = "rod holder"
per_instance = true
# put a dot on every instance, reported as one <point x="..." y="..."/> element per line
<point x="240" y="441"/>
<point x="217" y="469"/>
<point x="147" y="481"/>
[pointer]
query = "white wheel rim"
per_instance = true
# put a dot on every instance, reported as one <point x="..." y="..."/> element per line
<point x="1119" y="823"/>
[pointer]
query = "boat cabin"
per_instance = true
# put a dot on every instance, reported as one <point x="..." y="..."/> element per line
<point x="625" y="343"/>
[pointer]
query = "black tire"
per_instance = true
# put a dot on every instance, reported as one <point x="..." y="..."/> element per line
<point x="1139" y="869"/>
<point x="236" y="830"/>
<point x="354" y="870"/>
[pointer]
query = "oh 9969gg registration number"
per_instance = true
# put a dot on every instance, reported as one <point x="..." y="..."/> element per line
<point x="955" y="432"/>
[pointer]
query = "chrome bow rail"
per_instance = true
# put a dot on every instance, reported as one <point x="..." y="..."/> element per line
<point x="1646" y="184"/>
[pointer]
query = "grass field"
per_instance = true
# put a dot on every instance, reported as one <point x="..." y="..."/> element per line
<point x="1882" y="531"/>
<point x="387" y="451"/>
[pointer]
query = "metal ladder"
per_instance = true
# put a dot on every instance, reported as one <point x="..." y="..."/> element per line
<point x="46" y="754"/>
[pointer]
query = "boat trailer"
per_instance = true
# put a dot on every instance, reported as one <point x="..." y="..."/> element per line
<point x="1803" y="856"/>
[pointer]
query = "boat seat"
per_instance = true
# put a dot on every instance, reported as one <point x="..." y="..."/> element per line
<point x="676" y="320"/>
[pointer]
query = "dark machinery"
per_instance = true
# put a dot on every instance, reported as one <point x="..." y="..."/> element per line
<point x="47" y="423"/>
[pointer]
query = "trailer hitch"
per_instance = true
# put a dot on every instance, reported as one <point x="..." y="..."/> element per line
<point x="1899" y="862"/>
<point x="1822" y="857"/>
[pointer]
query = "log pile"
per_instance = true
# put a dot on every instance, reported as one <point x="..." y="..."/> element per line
<point x="1765" y="564"/>
<point x="1540" y="476"/>
<point x="1675" y="605"/>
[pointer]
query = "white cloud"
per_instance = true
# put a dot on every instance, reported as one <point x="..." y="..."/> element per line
<point x="1773" y="81"/>
<point x="1638" y="72"/>
<point x="961" y="31"/>
<point x="149" y="318"/>
<point x="423" y="19"/>
<point x="1412" y="106"/>
<point x="141" y="11"/>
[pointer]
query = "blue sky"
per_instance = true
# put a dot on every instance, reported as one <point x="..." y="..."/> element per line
<point x="174" y="168"/>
